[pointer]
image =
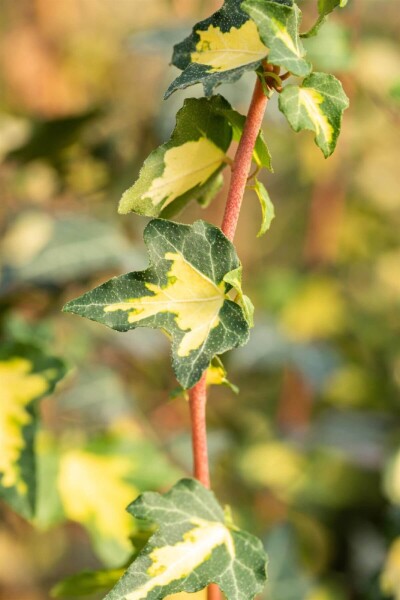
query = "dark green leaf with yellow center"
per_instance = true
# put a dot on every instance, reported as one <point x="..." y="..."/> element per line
<point x="183" y="292"/>
<point x="187" y="166"/>
<point x="26" y="375"/>
<point x="195" y="545"/>
<point x="237" y="38"/>
<point x="318" y="105"/>
<point x="278" y="27"/>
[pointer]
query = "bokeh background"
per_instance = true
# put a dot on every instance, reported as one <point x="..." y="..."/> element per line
<point x="308" y="453"/>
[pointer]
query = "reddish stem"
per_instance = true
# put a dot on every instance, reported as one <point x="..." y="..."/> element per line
<point x="242" y="163"/>
<point x="197" y="402"/>
<point x="240" y="172"/>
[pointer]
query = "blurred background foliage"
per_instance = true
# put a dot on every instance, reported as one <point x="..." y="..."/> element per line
<point x="308" y="453"/>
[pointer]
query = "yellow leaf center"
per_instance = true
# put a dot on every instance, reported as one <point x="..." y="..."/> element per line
<point x="228" y="50"/>
<point x="186" y="166"/>
<point x="189" y="294"/>
<point x="18" y="387"/>
<point x="311" y="100"/>
<point x="93" y="492"/>
<point x="171" y="563"/>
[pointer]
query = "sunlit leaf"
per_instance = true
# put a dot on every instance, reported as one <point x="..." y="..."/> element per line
<point x="193" y="546"/>
<point x="220" y="49"/>
<point x="95" y="490"/>
<point x="92" y="483"/>
<point x="278" y="26"/>
<point x="26" y="375"/>
<point x="267" y="208"/>
<point x="318" y="105"/>
<point x="324" y="8"/>
<point x="180" y="169"/>
<point x="183" y="292"/>
<point x="216" y="375"/>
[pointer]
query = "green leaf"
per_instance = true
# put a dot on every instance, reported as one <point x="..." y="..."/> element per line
<point x="324" y="8"/>
<point x="26" y="376"/>
<point x="87" y="583"/>
<point x="219" y="50"/>
<point x="278" y="26"/>
<point x="261" y="154"/>
<point x="183" y="293"/>
<point x="267" y="208"/>
<point x="318" y="105"/>
<point x="193" y="547"/>
<point x="184" y="167"/>
<point x="234" y="278"/>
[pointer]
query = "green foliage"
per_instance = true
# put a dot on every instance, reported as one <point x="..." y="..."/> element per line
<point x="188" y="266"/>
<point x="317" y="104"/>
<point x="194" y="546"/>
<point x="224" y="46"/>
<point x="87" y="583"/>
<point x="324" y="8"/>
<point x="210" y="54"/>
<point x="26" y="376"/>
<point x="185" y="167"/>
<point x="278" y="26"/>
<point x="191" y="291"/>
<point x="267" y="208"/>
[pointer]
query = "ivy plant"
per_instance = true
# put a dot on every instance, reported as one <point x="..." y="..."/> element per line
<point x="192" y="288"/>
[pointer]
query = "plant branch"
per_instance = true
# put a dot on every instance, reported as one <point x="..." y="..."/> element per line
<point x="242" y="161"/>
<point x="197" y="402"/>
<point x="240" y="172"/>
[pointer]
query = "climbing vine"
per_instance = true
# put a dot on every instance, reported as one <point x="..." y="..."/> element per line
<point x="192" y="288"/>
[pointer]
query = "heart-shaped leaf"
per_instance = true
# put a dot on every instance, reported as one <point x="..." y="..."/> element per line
<point x="318" y="105"/>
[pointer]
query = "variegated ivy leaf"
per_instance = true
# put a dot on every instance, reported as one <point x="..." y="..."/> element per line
<point x="324" y="8"/>
<point x="224" y="46"/>
<point x="26" y="375"/>
<point x="267" y="208"/>
<point x="318" y="105"/>
<point x="194" y="546"/>
<point x="220" y="49"/>
<point x="185" y="167"/>
<point x="278" y="26"/>
<point x="183" y="293"/>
